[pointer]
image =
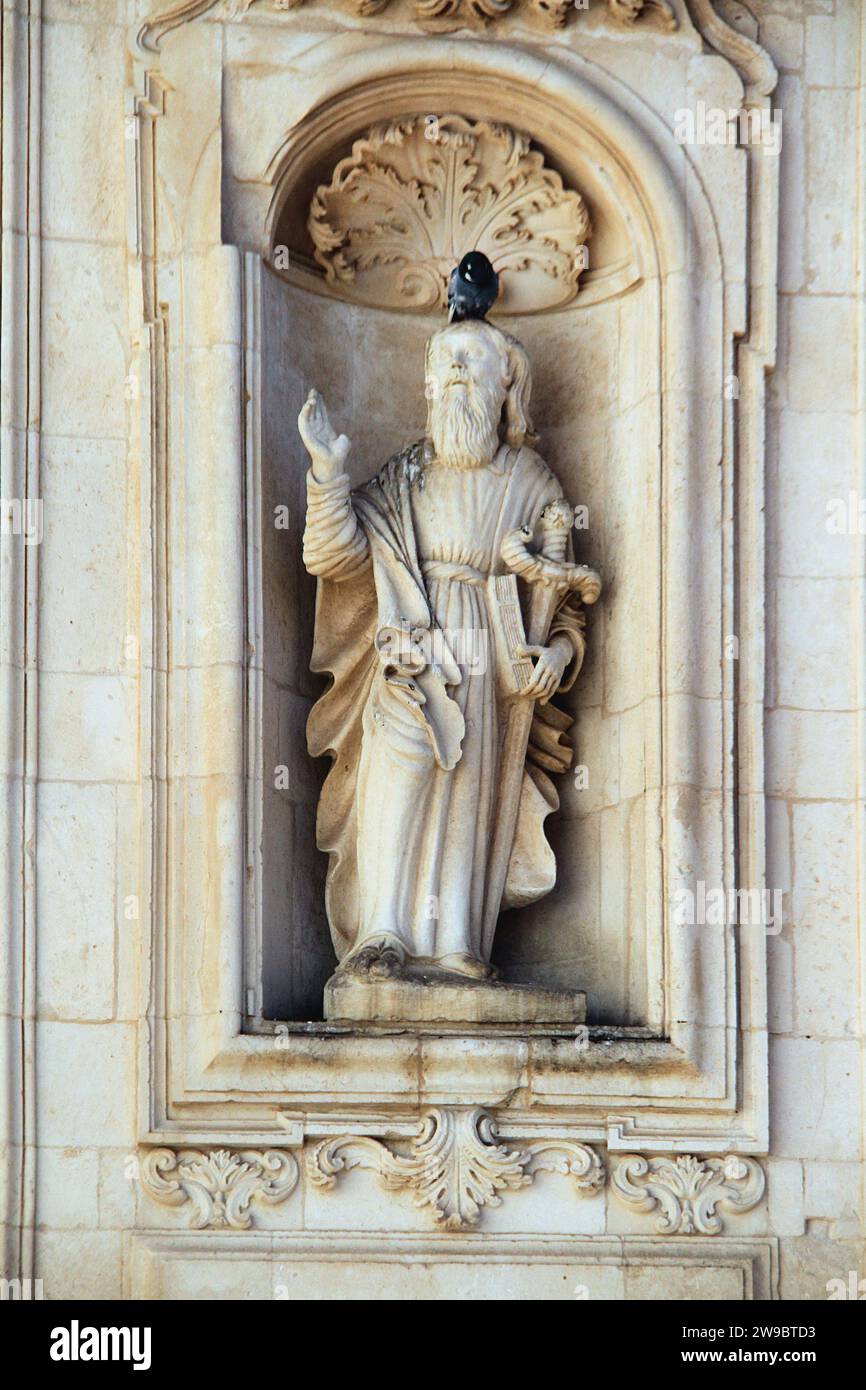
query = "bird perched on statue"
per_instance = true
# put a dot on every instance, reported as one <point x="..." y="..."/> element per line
<point x="472" y="288"/>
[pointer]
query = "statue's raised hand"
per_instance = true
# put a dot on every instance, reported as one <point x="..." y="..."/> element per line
<point x="328" y="451"/>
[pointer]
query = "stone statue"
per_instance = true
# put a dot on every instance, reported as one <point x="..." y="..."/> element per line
<point x="448" y="615"/>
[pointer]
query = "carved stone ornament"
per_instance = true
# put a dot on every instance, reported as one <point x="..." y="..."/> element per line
<point x="415" y="194"/>
<point x="221" y="1184"/>
<point x="455" y="1166"/>
<point x="413" y="896"/>
<point x="555" y="13"/>
<point x="688" y="1189"/>
<point x="429" y="14"/>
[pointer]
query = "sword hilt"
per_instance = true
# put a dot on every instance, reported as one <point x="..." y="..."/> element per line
<point x="555" y="526"/>
<point x="548" y="566"/>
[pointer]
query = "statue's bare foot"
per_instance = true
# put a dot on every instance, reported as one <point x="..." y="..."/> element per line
<point x="459" y="964"/>
<point x="380" y="962"/>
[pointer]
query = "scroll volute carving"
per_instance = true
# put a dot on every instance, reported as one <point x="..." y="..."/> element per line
<point x="416" y="194"/>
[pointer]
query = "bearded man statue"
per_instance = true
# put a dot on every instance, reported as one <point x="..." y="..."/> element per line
<point x="423" y="648"/>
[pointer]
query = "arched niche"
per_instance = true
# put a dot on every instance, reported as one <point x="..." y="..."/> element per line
<point x="215" y="121"/>
<point x="618" y="401"/>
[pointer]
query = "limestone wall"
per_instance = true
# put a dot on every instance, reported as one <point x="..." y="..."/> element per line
<point x="159" y="892"/>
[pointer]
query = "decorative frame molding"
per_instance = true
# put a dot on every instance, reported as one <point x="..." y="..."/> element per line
<point x="20" y="473"/>
<point x="274" y="1256"/>
<point x="700" y="1084"/>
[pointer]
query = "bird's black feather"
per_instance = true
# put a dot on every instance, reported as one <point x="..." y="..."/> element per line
<point x="472" y="288"/>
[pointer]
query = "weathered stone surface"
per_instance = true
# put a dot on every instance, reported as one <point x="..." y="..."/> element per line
<point x="700" y="396"/>
<point x="431" y="996"/>
<point x="448" y="616"/>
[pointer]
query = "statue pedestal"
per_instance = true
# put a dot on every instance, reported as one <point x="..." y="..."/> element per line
<point x="434" y="996"/>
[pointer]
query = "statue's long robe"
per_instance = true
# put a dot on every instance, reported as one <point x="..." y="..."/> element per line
<point x="408" y="809"/>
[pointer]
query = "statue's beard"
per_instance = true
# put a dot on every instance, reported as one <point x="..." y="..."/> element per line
<point x="464" y="427"/>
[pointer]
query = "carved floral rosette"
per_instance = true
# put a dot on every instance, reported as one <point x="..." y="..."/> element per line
<point x="416" y="194"/>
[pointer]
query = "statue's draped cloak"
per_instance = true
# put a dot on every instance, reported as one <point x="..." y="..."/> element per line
<point x="378" y="587"/>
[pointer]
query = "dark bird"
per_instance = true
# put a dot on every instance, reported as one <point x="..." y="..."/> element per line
<point x="472" y="288"/>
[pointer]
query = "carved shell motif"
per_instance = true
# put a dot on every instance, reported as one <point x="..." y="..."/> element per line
<point x="416" y="194"/>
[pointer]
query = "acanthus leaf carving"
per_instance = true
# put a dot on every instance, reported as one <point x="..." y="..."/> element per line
<point x="574" y="1160"/>
<point x="219" y="1184"/>
<point x="415" y="194"/>
<point x="687" y="1189"/>
<point x="455" y="13"/>
<point x="455" y="1166"/>
<point x="553" y="12"/>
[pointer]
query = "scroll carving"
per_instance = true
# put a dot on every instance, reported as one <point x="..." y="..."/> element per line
<point x="219" y="1185"/>
<point x="455" y="1166"/>
<point x="687" y="1190"/>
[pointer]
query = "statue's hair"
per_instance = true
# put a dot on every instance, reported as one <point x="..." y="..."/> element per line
<point x="517" y="378"/>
